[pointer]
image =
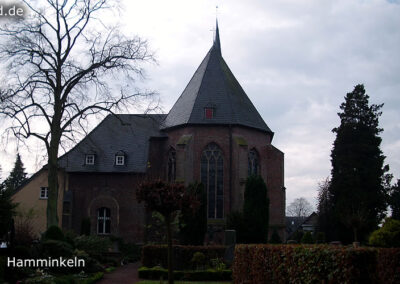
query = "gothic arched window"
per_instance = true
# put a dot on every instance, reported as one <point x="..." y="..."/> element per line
<point x="103" y="220"/>
<point x="171" y="166"/>
<point x="212" y="175"/>
<point x="254" y="163"/>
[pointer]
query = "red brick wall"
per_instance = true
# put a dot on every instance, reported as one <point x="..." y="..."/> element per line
<point x="115" y="191"/>
<point x="243" y="139"/>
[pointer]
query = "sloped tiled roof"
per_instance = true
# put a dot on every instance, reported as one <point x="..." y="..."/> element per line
<point x="214" y="85"/>
<point x="126" y="133"/>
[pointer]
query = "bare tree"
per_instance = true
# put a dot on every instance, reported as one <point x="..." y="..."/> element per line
<point x="300" y="207"/>
<point x="62" y="66"/>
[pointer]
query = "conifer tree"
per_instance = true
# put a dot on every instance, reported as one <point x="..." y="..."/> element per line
<point x="17" y="175"/>
<point x="7" y="209"/>
<point x="255" y="210"/>
<point x="395" y="201"/>
<point x="357" y="194"/>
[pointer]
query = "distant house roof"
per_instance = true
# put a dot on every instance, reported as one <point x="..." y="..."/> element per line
<point x="123" y="133"/>
<point x="293" y="224"/>
<point x="214" y="86"/>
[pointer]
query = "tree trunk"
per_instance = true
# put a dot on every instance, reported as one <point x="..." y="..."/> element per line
<point x="169" y="240"/>
<point x="355" y="234"/>
<point x="52" y="201"/>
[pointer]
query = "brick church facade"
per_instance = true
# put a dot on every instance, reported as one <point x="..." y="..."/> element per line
<point x="213" y="134"/>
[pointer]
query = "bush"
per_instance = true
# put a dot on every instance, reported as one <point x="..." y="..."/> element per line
<point x="315" y="264"/>
<point x="156" y="255"/>
<point x="188" y="275"/>
<point x="255" y="211"/>
<point x="307" y="238"/>
<point x="85" y="226"/>
<point x="56" y="249"/>
<point x="193" y="225"/>
<point x="235" y="221"/>
<point x="388" y="235"/>
<point x="389" y="265"/>
<point x="94" y="246"/>
<point x="54" y="233"/>
<point x="130" y="251"/>
<point x="275" y="239"/>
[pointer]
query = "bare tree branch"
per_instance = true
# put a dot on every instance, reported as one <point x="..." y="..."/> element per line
<point x="62" y="69"/>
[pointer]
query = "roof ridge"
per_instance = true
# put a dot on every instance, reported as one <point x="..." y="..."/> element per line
<point x="208" y="56"/>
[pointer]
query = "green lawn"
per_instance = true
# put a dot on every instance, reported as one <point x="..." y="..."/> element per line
<point x="180" y="282"/>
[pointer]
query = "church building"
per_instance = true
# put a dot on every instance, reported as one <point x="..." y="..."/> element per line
<point x="213" y="134"/>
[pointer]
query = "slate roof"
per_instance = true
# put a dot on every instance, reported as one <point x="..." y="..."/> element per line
<point x="214" y="85"/>
<point x="128" y="134"/>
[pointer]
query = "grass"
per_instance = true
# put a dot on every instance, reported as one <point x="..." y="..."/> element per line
<point x="181" y="282"/>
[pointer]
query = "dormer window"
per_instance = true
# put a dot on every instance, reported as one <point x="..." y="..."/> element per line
<point x="119" y="160"/>
<point x="209" y="113"/>
<point x="89" y="159"/>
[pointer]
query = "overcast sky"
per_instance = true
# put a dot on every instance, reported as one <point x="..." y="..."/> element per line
<point x="295" y="59"/>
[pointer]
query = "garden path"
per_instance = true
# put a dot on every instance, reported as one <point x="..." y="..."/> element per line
<point x="127" y="274"/>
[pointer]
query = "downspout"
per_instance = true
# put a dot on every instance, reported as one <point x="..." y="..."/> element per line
<point x="230" y="168"/>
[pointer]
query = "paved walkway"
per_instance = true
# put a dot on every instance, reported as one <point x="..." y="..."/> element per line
<point x="126" y="274"/>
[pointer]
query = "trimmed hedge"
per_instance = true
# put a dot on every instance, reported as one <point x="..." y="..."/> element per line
<point x="389" y="265"/>
<point x="156" y="255"/>
<point x="156" y="273"/>
<point x="315" y="264"/>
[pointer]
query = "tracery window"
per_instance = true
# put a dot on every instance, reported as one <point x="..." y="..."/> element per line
<point x="254" y="163"/>
<point x="212" y="174"/>
<point x="103" y="220"/>
<point x="171" y="166"/>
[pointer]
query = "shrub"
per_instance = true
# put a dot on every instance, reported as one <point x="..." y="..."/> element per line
<point x="315" y="264"/>
<point x="320" y="238"/>
<point x="389" y="265"/>
<point x="85" y="226"/>
<point x="156" y="255"/>
<point x="307" y="238"/>
<point x="54" y="233"/>
<point x="388" y="235"/>
<point x="255" y="210"/>
<point x="54" y="248"/>
<point x="235" y="221"/>
<point x="193" y="225"/>
<point x="188" y="275"/>
<point x="93" y="245"/>
<point x="130" y="251"/>
<point x="199" y="260"/>
<point x="275" y="239"/>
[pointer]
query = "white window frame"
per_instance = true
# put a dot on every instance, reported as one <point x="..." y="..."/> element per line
<point x="44" y="192"/>
<point x="89" y="159"/>
<point x="119" y="160"/>
<point x="102" y="216"/>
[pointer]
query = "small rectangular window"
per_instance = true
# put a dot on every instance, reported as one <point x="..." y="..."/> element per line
<point x="44" y="192"/>
<point x="119" y="160"/>
<point x="208" y="113"/>
<point x="89" y="159"/>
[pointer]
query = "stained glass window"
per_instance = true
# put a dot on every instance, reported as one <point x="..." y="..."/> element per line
<point x="171" y="166"/>
<point x="212" y="174"/>
<point x="254" y="166"/>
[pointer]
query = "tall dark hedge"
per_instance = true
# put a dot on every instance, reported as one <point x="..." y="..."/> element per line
<point x="193" y="225"/>
<point x="256" y="210"/>
<point x="357" y="194"/>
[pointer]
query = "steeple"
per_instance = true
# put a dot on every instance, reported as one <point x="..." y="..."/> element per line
<point x="214" y="97"/>
<point x="217" y="43"/>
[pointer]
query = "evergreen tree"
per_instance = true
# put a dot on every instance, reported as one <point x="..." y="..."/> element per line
<point x="256" y="210"/>
<point x="395" y="201"/>
<point x="357" y="194"/>
<point x="193" y="225"/>
<point x="17" y="175"/>
<point x="7" y="210"/>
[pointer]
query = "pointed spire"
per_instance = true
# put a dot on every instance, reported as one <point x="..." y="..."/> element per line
<point x="217" y="43"/>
